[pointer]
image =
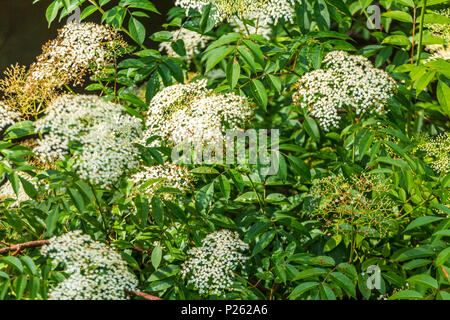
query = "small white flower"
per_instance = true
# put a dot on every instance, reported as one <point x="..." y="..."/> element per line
<point x="7" y="116"/>
<point x="438" y="149"/>
<point x="210" y="267"/>
<point x="100" y="134"/>
<point x="77" y="49"/>
<point x="96" y="271"/>
<point x="263" y="11"/>
<point x="190" y="113"/>
<point x="346" y="81"/>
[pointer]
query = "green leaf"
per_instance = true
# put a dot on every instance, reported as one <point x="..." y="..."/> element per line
<point x="443" y="95"/>
<point x="14" y="179"/>
<point x="217" y="55"/>
<point x="152" y="87"/>
<point x="224" y="186"/>
<point x="142" y="209"/>
<point x="77" y="199"/>
<point x="237" y="179"/>
<point x="332" y="243"/>
<point x="205" y="18"/>
<point x="398" y="15"/>
<point x="52" y="11"/>
<point x="263" y="242"/>
<point x="435" y="18"/>
<point x="275" y="198"/>
<point x="156" y="257"/>
<point x="50" y="221"/>
<point x="421" y="221"/>
<point x="204" y="197"/>
<point x="248" y="197"/>
<point x="157" y="210"/>
<point x="406" y="295"/>
<point x="248" y="57"/>
<point x="255" y="230"/>
<point x="423" y="81"/>
<point x="302" y="288"/>
<point x="130" y="260"/>
<point x="142" y="4"/>
<point x="419" y="252"/>
<point x="164" y="272"/>
<point x="223" y="40"/>
<point x="322" y="16"/>
<point x="345" y="283"/>
<point x="282" y="167"/>
<point x="310" y="273"/>
<point x="443" y="257"/>
<point x="340" y="5"/>
<point x="275" y="82"/>
<point x="14" y="262"/>
<point x="162" y="36"/>
<point x="29" y="264"/>
<point x="326" y="293"/>
<point x="397" y="39"/>
<point x="205" y="170"/>
<point x="233" y="73"/>
<point x="20" y="284"/>
<point x="417" y="263"/>
<point x="299" y="166"/>
<point x="87" y="12"/>
<point x="256" y="51"/>
<point x="137" y="30"/>
<point x="311" y="128"/>
<point x="425" y="280"/>
<point x="259" y="92"/>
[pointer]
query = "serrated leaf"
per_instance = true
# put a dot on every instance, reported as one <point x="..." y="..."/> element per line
<point x="156" y="257"/>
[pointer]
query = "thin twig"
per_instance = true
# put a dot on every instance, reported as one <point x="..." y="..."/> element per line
<point x="144" y="295"/>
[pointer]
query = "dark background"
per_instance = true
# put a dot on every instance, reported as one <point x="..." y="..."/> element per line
<point x="24" y="28"/>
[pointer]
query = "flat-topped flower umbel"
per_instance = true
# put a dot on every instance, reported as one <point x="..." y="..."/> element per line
<point x="348" y="82"/>
<point x="191" y="113"/>
<point x="97" y="272"/>
<point x="210" y="267"/>
<point x="100" y="134"/>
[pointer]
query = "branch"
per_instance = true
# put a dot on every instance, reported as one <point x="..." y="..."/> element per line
<point x="142" y="295"/>
<point x="21" y="246"/>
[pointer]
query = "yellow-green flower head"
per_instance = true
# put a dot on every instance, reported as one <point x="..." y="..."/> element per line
<point x="441" y="30"/>
<point x="264" y="11"/>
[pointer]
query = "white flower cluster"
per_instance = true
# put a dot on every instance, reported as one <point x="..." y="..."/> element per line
<point x="149" y="179"/>
<point x="96" y="271"/>
<point x="190" y="113"/>
<point x="438" y="149"/>
<point x="438" y="51"/>
<point x="345" y="82"/>
<point x="7" y="116"/>
<point x="210" y="267"/>
<point x="100" y="134"/>
<point x="263" y="11"/>
<point x="194" y="43"/>
<point x="77" y="49"/>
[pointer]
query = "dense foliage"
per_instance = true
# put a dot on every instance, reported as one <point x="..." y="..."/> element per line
<point x="363" y="156"/>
